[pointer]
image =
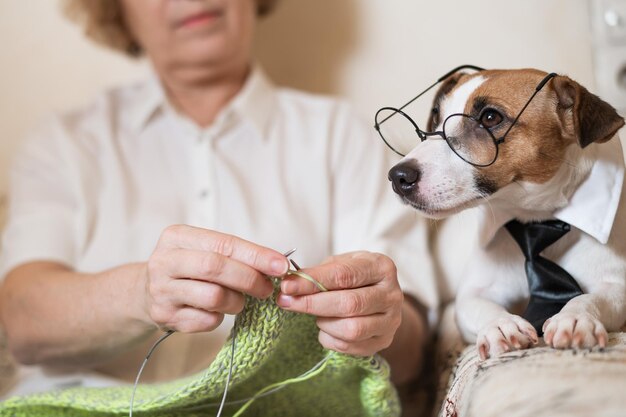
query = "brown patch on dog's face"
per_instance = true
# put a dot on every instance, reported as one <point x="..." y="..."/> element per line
<point x="534" y="148"/>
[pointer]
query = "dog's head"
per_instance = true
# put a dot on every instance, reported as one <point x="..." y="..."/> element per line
<point x="563" y="116"/>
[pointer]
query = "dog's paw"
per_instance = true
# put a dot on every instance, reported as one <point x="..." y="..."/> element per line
<point x="578" y="331"/>
<point x="505" y="334"/>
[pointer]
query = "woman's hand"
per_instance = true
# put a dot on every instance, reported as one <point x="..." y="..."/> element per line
<point x="195" y="276"/>
<point x="362" y="309"/>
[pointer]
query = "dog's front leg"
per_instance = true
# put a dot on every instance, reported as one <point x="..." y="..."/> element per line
<point x="584" y="320"/>
<point x="492" y="327"/>
<point x="493" y="284"/>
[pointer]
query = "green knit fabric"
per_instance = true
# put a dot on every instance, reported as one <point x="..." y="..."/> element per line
<point x="271" y="345"/>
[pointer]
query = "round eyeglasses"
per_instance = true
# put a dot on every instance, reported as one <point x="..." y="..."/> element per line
<point x="466" y="136"/>
<point x="471" y="138"/>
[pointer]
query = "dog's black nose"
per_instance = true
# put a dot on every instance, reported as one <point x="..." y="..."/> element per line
<point x="404" y="177"/>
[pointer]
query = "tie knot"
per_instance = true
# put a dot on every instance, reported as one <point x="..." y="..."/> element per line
<point x="534" y="237"/>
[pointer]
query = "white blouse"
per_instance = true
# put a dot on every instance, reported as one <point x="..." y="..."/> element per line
<point x="95" y="188"/>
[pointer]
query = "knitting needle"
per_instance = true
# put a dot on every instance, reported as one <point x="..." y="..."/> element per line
<point x="288" y="254"/>
<point x="295" y="265"/>
<point x="302" y="274"/>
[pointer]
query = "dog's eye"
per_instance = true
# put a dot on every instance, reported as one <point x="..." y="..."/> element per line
<point x="434" y="114"/>
<point x="490" y="118"/>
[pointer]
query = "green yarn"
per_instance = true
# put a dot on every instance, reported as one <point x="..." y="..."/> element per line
<point x="273" y="347"/>
<point x="308" y="278"/>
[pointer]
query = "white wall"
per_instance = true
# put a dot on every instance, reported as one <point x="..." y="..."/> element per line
<point x="373" y="52"/>
<point x="46" y="66"/>
<point x="385" y="50"/>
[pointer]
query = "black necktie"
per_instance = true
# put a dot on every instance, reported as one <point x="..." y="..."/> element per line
<point x="551" y="287"/>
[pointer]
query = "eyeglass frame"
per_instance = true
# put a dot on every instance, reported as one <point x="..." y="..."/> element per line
<point x="423" y="135"/>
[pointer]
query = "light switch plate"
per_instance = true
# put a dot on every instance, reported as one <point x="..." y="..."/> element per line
<point x="608" y="28"/>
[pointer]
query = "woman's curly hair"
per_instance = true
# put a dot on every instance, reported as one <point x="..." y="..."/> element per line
<point x="103" y="22"/>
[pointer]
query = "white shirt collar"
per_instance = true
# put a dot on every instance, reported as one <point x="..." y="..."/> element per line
<point x="256" y="100"/>
<point x="253" y="103"/>
<point x="149" y="99"/>
<point x="592" y="207"/>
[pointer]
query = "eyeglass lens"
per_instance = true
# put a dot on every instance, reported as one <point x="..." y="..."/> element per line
<point x="465" y="136"/>
<point x="397" y="130"/>
<point x="470" y="140"/>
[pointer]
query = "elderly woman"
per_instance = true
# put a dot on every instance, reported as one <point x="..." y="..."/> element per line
<point x="163" y="203"/>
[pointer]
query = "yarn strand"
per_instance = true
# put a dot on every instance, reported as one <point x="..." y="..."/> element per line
<point x="143" y="365"/>
<point x="308" y="278"/>
<point x="230" y="369"/>
<point x="316" y="370"/>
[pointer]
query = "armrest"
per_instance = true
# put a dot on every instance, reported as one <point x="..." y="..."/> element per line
<point x="540" y="381"/>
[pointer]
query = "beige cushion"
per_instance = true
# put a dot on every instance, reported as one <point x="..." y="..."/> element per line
<point x="535" y="382"/>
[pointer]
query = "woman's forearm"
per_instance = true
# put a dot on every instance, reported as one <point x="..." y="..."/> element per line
<point x="59" y="317"/>
<point x="406" y="353"/>
<point x="56" y="316"/>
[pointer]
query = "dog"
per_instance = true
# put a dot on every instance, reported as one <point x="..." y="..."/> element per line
<point x="561" y="159"/>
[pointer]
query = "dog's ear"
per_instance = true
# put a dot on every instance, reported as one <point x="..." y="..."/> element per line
<point x="584" y="115"/>
<point x="447" y="85"/>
